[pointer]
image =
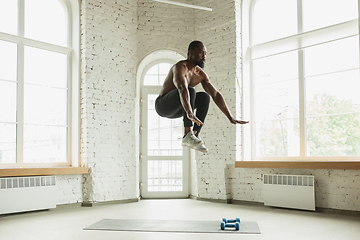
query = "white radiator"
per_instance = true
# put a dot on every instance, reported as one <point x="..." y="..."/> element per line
<point x="289" y="191"/>
<point x="21" y="194"/>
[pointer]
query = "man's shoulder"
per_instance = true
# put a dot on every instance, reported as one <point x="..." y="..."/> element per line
<point x="181" y="63"/>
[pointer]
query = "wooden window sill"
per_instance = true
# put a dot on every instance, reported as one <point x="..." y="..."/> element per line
<point x="16" y="172"/>
<point x="349" y="165"/>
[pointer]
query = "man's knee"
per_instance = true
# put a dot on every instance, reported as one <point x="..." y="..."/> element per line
<point x="205" y="98"/>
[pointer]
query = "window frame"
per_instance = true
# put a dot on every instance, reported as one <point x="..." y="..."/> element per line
<point x="72" y="50"/>
<point x="248" y="158"/>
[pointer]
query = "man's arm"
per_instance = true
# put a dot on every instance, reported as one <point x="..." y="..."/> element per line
<point x="182" y="86"/>
<point x="218" y="99"/>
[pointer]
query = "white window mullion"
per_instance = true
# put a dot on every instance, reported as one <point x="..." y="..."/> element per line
<point x="299" y="16"/>
<point x="20" y="87"/>
<point x="302" y="96"/>
<point x="35" y="43"/>
<point x="302" y="101"/>
<point x="20" y="105"/>
<point x="21" y="18"/>
<point x="306" y="39"/>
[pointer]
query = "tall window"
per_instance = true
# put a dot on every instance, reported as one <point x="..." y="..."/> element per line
<point x="35" y="82"/>
<point x="304" y="79"/>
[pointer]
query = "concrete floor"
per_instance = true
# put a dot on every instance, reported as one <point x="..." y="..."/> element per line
<point x="274" y="223"/>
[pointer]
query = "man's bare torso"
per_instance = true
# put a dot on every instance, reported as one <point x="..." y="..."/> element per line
<point x="192" y="76"/>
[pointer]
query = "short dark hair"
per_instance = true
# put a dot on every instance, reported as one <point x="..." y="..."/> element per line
<point x="193" y="45"/>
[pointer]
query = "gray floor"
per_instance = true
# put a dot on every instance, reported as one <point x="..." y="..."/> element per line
<point x="274" y="223"/>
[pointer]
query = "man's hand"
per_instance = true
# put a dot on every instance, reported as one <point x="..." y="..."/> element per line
<point x="235" y="121"/>
<point x="193" y="118"/>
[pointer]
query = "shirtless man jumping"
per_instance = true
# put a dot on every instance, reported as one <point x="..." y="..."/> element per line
<point x="178" y="97"/>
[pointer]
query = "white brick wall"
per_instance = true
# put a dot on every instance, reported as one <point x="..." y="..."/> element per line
<point x="107" y="99"/>
<point x="164" y="27"/>
<point x="69" y="189"/>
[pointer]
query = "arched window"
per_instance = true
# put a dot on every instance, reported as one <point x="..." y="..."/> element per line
<point x="38" y="82"/>
<point x="302" y="72"/>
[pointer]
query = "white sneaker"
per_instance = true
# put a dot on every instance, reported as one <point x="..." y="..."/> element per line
<point x="190" y="140"/>
<point x="201" y="147"/>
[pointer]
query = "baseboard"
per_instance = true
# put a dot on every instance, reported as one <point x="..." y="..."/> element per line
<point x="92" y="204"/>
<point x="210" y="200"/>
<point x="243" y="202"/>
<point x="337" y="211"/>
<point x="68" y="205"/>
<point x="192" y="197"/>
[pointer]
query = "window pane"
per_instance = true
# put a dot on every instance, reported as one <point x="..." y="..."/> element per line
<point x="331" y="57"/>
<point x="333" y="93"/>
<point x="164" y="68"/>
<point x="336" y="135"/>
<point x="7" y="143"/>
<point x="45" y="68"/>
<point x="278" y="138"/>
<point x="8" y="61"/>
<point x="331" y="96"/>
<point x="276" y="68"/>
<point x="273" y="19"/>
<point x="165" y="175"/>
<point x="8" y="16"/>
<point x="330" y="127"/>
<point x="44" y="144"/>
<point x="322" y="13"/>
<point x="276" y="86"/>
<point x="276" y="103"/>
<point x="45" y="105"/>
<point x="7" y="101"/>
<point x="157" y="74"/>
<point x="46" y="20"/>
<point x="154" y="70"/>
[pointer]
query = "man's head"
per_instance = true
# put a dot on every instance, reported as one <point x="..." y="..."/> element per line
<point x="197" y="53"/>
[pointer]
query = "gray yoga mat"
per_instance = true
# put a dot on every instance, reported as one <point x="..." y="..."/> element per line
<point x="171" y="226"/>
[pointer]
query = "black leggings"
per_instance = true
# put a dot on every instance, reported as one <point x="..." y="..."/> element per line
<point x="169" y="105"/>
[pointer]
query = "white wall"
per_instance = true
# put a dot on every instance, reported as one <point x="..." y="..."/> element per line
<point x="109" y="60"/>
<point x="163" y="27"/>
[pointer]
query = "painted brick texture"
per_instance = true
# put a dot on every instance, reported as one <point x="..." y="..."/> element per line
<point x="164" y="27"/>
<point x="69" y="189"/>
<point x="108" y="48"/>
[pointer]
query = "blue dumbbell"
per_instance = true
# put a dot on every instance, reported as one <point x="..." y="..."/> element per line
<point x="231" y="220"/>
<point x="223" y="225"/>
